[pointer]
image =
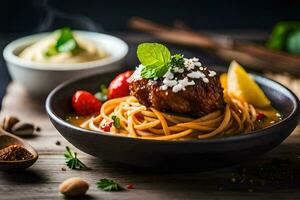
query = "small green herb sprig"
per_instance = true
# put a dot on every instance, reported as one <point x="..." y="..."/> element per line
<point x="64" y="43"/>
<point x="108" y="185"/>
<point x="177" y="60"/>
<point x="157" y="60"/>
<point x="102" y="94"/>
<point x="72" y="161"/>
<point x="116" y="122"/>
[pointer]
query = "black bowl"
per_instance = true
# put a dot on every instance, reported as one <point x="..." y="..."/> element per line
<point x="201" y="154"/>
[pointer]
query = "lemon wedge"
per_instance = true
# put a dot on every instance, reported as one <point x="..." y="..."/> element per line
<point x="240" y="85"/>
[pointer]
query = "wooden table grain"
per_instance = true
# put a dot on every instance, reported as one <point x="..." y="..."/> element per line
<point x="41" y="180"/>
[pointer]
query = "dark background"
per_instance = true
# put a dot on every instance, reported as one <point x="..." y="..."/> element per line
<point x="112" y="15"/>
<point x="18" y="18"/>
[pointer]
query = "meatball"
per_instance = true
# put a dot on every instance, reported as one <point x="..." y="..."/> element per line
<point x="199" y="99"/>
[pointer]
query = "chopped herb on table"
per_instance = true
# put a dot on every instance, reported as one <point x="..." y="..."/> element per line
<point x="72" y="161"/>
<point x="108" y="185"/>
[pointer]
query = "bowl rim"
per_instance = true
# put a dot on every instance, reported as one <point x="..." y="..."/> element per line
<point x="10" y="57"/>
<point x="294" y="114"/>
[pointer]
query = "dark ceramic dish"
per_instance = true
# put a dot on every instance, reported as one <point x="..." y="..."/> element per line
<point x="204" y="154"/>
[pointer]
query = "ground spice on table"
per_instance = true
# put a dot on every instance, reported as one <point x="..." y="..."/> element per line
<point x="14" y="153"/>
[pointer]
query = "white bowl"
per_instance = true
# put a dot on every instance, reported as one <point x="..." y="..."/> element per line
<point x="40" y="78"/>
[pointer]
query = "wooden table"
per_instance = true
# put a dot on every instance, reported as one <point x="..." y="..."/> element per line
<point x="41" y="180"/>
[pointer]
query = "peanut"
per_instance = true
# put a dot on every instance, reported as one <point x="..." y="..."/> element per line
<point x="73" y="187"/>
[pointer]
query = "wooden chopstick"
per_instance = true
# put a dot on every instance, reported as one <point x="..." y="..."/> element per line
<point x="251" y="55"/>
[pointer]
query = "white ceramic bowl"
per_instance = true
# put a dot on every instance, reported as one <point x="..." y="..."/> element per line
<point x="39" y="78"/>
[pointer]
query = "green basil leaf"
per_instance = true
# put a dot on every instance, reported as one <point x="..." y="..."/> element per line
<point x="65" y="43"/>
<point x="293" y="42"/>
<point x="65" y="36"/>
<point x="152" y="72"/>
<point x="68" y="46"/>
<point x="153" y="54"/>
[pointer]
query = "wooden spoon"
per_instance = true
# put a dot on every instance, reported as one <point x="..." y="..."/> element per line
<point x="7" y="139"/>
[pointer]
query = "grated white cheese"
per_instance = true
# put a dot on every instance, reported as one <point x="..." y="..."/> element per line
<point x="177" y="88"/>
<point x="182" y="84"/>
<point x="212" y="73"/>
<point x="178" y="70"/>
<point x="196" y="75"/>
<point x="193" y="68"/>
<point x="185" y="82"/>
<point x="136" y="74"/>
<point x="169" y="75"/>
<point x="198" y="64"/>
<point x="194" y="59"/>
<point x="169" y="82"/>
<point x="164" y="87"/>
<point x="205" y="80"/>
<point x="189" y="64"/>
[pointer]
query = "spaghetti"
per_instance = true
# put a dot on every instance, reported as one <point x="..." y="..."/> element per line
<point x="137" y="121"/>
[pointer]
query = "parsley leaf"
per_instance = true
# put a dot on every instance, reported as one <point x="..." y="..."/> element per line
<point x="65" y="43"/>
<point x="102" y="94"/>
<point x="116" y="119"/>
<point x="72" y="161"/>
<point x="177" y="60"/>
<point x="108" y="185"/>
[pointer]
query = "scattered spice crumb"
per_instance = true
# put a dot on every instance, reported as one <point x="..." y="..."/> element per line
<point x="57" y="143"/>
<point x="15" y="152"/>
<point x="63" y="169"/>
<point x="276" y="172"/>
<point x="38" y="129"/>
<point x="130" y="186"/>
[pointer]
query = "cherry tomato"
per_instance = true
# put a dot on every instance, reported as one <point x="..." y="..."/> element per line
<point x="260" y="116"/>
<point x="106" y="127"/>
<point x="119" y="87"/>
<point x="85" y="103"/>
<point x="130" y="186"/>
